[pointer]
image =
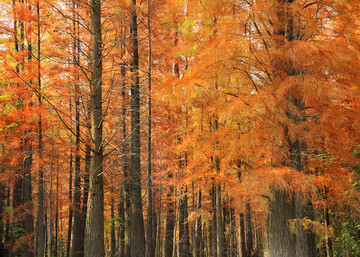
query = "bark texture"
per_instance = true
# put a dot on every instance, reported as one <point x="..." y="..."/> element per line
<point x="137" y="220"/>
<point x="94" y="235"/>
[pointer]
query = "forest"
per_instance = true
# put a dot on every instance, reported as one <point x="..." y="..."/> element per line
<point x="179" y="128"/>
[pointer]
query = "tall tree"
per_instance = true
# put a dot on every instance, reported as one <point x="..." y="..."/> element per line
<point x="150" y="237"/>
<point x="137" y="220"/>
<point x="76" y="237"/>
<point x="94" y="235"/>
<point x="40" y="228"/>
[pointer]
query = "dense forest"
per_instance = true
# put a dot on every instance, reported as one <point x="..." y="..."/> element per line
<point x="179" y="128"/>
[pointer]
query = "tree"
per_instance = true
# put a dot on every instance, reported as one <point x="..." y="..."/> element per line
<point x="137" y="221"/>
<point x="94" y="235"/>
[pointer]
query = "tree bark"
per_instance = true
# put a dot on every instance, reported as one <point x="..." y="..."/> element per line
<point x="249" y="231"/>
<point x="76" y="248"/>
<point x="28" y="162"/>
<point x="40" y="228"/>
<point x="94" y="235"/>
<point x="85" y="196"/>
<point x="213" y="225"/>
<point x="169" y="228"/>
<point x="220" y="236"/>
<point x="126" y="221"/>
<point x="150" y="240"/>
<point x="184" y="248"/>
<point x="199" y="228"/>
<point x="68" y="242"/>
<point x="112" y="228"/>
<point x="242" y="240"/>
<point x="56" y="217"/>
<point x="49" y="232"/>
<point x="280" y="241"/>
<point x="121" y="228"/>
<point x="137" y="220"/>
<point x="329" y="250"/>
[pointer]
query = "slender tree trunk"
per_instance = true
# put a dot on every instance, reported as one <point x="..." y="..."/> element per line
<point x="213" y="234"/>
<point x="249" y="231"/>
<point x="128" y="220"/>
<point x="76" y="246"/>
<point x="125" y="243"/>
<point x="175" y="249"/>
<point x="219" y="224"/>
<point x="7" y="225"/>
<point x="17" y="199"/>
<point x="242" y="241"/>
<point x="40" y="228"/>
<point x="94" y="235"/>
<point x="28" y="161"/>
<point x="150" y="246"/>
<point x="27" y="199"/>
<point x="329" y="250"/>
<point x="49" y="233"/>
<point x="169" y="228"/>
<point x="232" y="247"/>
<point x="3" y="251"/>
<point x="199" y="228"/>
<point x="85" y="197"/>
<point x="76" y="224"/>
<point x="121" y="229"/>
<point x="112" y="228"/>
<point x="184" y="248"/>
<point x="159" y="240"/>
<point x="56" y="217"/>
<point x="195" y="246"/>
<point x="70" y="204"/>
<point x="137" y="221"/>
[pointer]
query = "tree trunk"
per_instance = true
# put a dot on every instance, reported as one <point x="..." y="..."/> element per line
<point x="199" y="237"/>
<point x="94" y="235"/>
<point x="195" y="247"/>
<point x="184" y="247"/>
<point x="213" y="228"/>
<point x="3" y="251"/>
<point x="121" y="229"/>
<point x="49" y="232"/>
<point x="27" y="190"/>
<point x="280" y="241"/>
<point x="242" y="241"/>
<point x="112" y="228"/>
<point x="75" y="250"/>
<point x="220" y="236"/>
<point x="85" y="198"/>
<point x="7" y="225"/>
<point x="27" y="199"/>
<point x="329" y="250"/>
<point x="137" y="221"/>
<point x="56" y="217"/>
<point x="76" y="225"/>
<point x="150" y="242"/>
<point x="169" y="228"/>
<point x="40" y="228"/>
<point x="249" y="231"/>
<point x="70" y="209"/>
<point x="126" y="222"/>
